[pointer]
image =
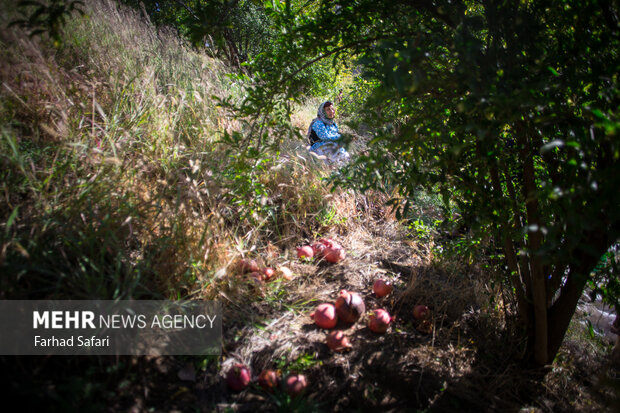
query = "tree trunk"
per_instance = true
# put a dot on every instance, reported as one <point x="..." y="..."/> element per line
<point x="539" y="286"/>
<point x="561" y="312"/>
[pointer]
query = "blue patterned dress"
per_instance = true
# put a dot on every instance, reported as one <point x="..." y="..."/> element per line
<point x="327" y="131"/>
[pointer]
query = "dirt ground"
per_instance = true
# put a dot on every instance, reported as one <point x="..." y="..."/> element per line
<point x="464" y="363"/>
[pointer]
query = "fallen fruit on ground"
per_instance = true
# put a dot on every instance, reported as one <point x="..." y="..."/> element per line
<point x="381" y="287"/>
<point x="238" y="377"/>
<point x="330" y="243"/>
<point x="257" y="276"/>
<point x="305" y="252"/>
<point x="421" y="312"/>
<point x="334" y="255"/>
<point x="295" y="384"/>
<point x="319" y="249"/>
<point x="246" y="265"/>
<point x="338" y="341"/>
<point x="268" y="272"/>
<point x="379" y="320"/>
<point x="325" y="316"/>
<point x="268" y="380"/>
<point x="285" y="272"/>
<point x="349" y="306"/>
<point x="329" y="249"/>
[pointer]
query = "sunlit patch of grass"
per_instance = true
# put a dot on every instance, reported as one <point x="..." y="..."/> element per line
<point x="303" y="362"/>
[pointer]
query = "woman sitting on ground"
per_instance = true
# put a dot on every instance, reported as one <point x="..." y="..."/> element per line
<point x="324" y="137"/>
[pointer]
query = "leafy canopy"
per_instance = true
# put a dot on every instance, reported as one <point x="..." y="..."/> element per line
<point x="509" y="109"/>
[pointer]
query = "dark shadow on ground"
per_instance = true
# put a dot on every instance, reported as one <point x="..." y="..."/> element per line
<point x="467" y="364"/>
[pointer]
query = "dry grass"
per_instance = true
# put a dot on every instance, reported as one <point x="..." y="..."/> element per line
<point x="121" y="116"/>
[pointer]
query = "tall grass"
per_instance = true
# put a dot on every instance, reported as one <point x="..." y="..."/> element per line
<point x="114" y="182"/>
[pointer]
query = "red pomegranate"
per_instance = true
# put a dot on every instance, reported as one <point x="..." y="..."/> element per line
<point x="257" y="276"/>
<point x="319" y="249"/>
<point x="238" y="377"/>
<point x="330" y="243"/>
<point x="382" y="287"/>
<point x="349" y="306"/>
<point x="268" y="380"/>
<point x="338" y="341"/>
<point x="379" y="320"/>
<point x="305" y="252"/>
<point x="268" y="273"/>
<point x="247" y="265"/>
<point x="334" y="255"/>
<point x="421" y="312"/>
<point x="295" y="384"/>
<point x="325" y="315"/>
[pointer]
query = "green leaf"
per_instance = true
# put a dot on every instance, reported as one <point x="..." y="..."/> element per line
<point x="590" y="329"/>
<point x="11" y="219"/>
<point x="599" y="114"/>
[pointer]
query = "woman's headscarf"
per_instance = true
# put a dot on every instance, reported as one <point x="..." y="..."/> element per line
<point x="320" y="115"/>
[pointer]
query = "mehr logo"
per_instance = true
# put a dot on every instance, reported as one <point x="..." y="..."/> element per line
<point x="63" y="319"/>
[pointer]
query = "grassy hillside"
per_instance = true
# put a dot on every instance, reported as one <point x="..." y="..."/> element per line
<point x="114" y="181"/>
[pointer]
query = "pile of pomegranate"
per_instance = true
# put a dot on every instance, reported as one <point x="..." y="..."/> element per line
<point x="254" y="272"/>
<point x="348" y="308"/>
<point x="239" y="377"/>
<point x="325" y="248"/>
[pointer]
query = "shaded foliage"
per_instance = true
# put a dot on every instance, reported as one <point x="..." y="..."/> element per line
<point x="46" y="17"/>
<point x="508" y="109"/>
<point x="234" y="29"/>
